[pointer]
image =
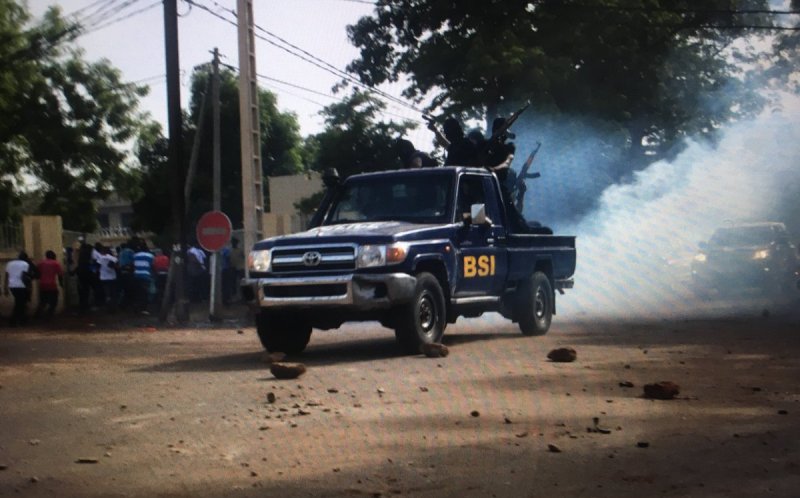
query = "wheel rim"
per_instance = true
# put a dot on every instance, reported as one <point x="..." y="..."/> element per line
<point x="540" y="304"/>
<point x="427" y="313"/>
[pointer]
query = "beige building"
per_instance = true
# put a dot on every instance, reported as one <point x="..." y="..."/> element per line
<point x="284" y="192"/>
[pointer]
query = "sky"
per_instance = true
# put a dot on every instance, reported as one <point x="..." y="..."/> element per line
<point x="136" y="47"/>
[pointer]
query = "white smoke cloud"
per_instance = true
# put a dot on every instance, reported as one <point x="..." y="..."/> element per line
<point x="634" y="250"/>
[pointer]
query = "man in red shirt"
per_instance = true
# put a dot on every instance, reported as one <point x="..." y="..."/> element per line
<point x="50" y="278"/>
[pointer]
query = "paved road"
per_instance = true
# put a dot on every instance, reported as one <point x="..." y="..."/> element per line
<point x="184" y="412"/>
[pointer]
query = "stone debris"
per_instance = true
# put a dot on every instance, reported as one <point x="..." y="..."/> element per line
<point x="626" y="383"/>
<point x="381" y="390"/>
<point x="562" y="355"/>
<point x="34" y="442"/>
<point x="642" y="444"/>
<point x="240" y="331"/>
<point x="596" y="427"/>
<point x="3" y="466"/>
<point x="475" y="413"/>
<point x="87" y="460"/>
<point x="423" y="389"/>
<point x="521" y="434"/>
<point x="661" y="390"/>
<point x="333" y="390"/>
<point x="783" y="412"/>
<point x="271" y="397"/>
<point x="553" y="448"/>
<point x="435" y="350"/>
<point x="507" y="420"/>
<point x="287" y="370"/>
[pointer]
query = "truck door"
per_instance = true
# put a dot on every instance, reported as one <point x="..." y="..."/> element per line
<point x="481" y="254"/>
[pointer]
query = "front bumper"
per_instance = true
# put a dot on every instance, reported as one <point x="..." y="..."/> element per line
<point x="353" y="291"/>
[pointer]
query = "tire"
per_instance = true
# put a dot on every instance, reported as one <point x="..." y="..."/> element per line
<point x="284" y="334"/>
<point x="534" y="307"/>
<point x="422" y="320"/>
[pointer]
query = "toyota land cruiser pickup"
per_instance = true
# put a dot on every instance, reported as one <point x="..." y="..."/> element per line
<point x="412" y="249"/>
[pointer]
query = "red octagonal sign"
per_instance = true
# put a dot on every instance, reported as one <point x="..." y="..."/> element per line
<point x="213" y="231"/>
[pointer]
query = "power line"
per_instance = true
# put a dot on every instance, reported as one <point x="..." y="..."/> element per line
<point x="126" y="16"/>
<point x="305" y="55"/>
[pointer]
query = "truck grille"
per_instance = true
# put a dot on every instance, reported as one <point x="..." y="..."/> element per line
<point x="319" y="290"/>
<point x="313" y="259"/>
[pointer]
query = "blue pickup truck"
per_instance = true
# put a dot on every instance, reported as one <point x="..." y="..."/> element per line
<point x="412" y="249"/>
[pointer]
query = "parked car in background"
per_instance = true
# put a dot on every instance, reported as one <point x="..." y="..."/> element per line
<point x="748" y="257"/>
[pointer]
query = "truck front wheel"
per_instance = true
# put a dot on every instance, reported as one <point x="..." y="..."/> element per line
<point x="422" y="320"/>
<point x="282" y="333"/>
<point x="535" y="305"/>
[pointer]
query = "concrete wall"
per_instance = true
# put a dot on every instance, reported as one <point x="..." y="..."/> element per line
<point x="284" y="191"/>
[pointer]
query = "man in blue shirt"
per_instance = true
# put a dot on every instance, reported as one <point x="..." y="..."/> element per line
<point x="142" y="276"/>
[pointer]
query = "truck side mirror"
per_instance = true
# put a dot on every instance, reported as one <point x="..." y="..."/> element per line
<point x="478" y="214"/>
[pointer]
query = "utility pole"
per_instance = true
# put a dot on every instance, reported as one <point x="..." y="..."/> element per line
<point x="252" y="181"/>
<point x="216" y="288"/>
<point x="174" y="154"/>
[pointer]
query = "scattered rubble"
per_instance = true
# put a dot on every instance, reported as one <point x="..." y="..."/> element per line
<point x="596" y="428"/>
<point x="434" y="350"/>
<point x="475" y="413"/>
<point x="553" y="448"/>
<point x="642" y="444"/>
<point x="287" y="370"/>
<point x="87" y="460"/>
<point x="562" y="355"/>
<point x="661" y="390"/>
<point x="626" y="383"/>
<point x="271" y="397"/>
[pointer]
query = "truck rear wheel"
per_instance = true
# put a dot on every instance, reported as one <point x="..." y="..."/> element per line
<point x="422" y="320"/>
<point x="282" y="333"/>
<point x="535" y="305"/>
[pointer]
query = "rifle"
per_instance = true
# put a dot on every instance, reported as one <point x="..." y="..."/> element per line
<point x="500" y="134"/>
<point x="519" y="187"/>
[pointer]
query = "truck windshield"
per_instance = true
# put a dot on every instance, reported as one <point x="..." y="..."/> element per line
<point x="412" y="198"/>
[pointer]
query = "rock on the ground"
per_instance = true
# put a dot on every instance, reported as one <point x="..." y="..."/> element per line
<point x="434" y="350"/>
<point x="661" y="390"/>
<point x="562" y="355"/>
<point x="287" y="370"/>
<point x="553" y="448"/>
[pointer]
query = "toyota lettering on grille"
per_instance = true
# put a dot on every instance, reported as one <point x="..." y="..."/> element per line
<point x="312" y="258"/>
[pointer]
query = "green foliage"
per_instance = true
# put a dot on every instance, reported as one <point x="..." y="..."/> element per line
<point x="659" y="69"/>
<point x="66" y="121"/>
<point x="281" y="152"/>
<point x="354" y="140"/>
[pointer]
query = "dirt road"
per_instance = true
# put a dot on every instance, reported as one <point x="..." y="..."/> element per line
<point x="184" y="412"/>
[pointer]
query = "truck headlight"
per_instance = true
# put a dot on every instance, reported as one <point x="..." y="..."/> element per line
<point x="762" y="254"/>
<point x="700" y="258"/>
<point x="369" y="256"/>
<point x="259" y="260"/>
<point x="380" y="255"/>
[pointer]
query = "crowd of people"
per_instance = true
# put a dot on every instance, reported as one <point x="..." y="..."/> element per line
<point x="132" y="276"/>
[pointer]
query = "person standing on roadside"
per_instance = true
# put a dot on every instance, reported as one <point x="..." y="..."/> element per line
<point x="51" y="277"/>
<point x="108" y="277"/>
<point x="143" y="276"/>
<point x="18" y="281"/>
<point x="125" y="276"/>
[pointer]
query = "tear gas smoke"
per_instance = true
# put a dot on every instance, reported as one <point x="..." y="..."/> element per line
<point x="635" y="248"/>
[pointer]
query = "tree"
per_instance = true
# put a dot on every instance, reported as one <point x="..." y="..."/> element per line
<point x="281" y="152"/>
<point x="659" y="70"/>
<point x="66" y="122"/>
<point x="354" y="140"/>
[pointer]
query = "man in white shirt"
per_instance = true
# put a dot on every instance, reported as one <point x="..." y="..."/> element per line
<point x="18" y="275"/>
<point x="108" y="276"/>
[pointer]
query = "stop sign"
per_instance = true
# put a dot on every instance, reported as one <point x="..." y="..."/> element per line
<point x="213" y="231"/>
